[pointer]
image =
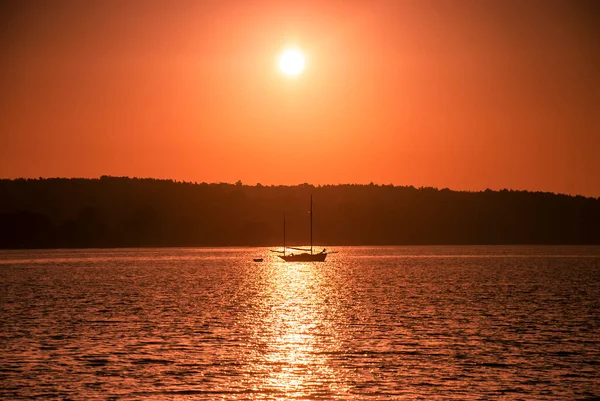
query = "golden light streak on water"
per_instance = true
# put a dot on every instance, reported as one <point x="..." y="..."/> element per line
<point x="297" y="336"/>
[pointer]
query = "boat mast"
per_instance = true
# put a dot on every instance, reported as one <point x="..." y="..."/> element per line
<point x="311" y="251"/>
<point x="284" y="234"/>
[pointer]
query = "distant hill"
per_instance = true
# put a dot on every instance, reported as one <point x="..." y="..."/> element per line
<point x="131" y="212"/>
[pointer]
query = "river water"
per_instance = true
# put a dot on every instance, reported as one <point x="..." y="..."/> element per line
<point x="369" y="323"/>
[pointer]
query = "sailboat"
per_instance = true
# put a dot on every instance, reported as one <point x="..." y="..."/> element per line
<point x="304" y="256"/>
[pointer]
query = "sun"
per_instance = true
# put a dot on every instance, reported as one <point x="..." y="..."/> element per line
<point x="291" y="62"/>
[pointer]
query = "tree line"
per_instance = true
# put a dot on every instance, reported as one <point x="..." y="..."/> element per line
<point x="132" y="212"/>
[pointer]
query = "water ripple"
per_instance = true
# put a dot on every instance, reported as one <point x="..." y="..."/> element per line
<point x="376" y="323"/>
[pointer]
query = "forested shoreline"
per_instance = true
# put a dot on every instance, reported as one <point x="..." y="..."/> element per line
<point x="132" y="212"/>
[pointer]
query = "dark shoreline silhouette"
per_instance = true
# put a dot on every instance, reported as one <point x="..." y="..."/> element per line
<point x="132" y="212"/>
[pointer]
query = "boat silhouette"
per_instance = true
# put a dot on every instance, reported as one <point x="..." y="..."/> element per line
<point x="307" y="255"/>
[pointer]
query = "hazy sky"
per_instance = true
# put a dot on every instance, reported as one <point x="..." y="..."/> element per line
<point x="459" y="94"/>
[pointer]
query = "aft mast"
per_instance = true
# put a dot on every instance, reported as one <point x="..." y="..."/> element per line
<point x="284" y="234"/>
<point x="311" y="247"/>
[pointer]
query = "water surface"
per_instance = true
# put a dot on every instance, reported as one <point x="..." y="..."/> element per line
<point x="369" y="323"/>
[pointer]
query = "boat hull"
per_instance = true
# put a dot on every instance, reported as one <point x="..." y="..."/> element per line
<point x="304" y="257"/>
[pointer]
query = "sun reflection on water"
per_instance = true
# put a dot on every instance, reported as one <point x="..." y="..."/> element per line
<point x="295" y="333"/>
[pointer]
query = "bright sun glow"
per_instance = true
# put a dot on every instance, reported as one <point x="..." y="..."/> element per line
<point x="291" y="62"/>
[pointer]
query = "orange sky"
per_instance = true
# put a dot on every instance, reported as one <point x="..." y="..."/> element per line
<point x="466" y="94"/>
